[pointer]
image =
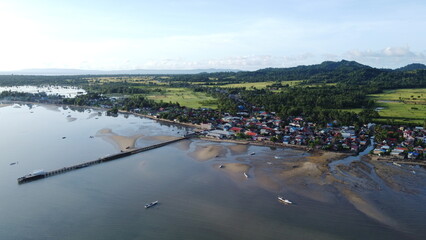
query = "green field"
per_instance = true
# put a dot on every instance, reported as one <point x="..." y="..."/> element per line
<point x="402" y="105"/>
<point x="185" y="97"/>
<point x="258" y="85"/>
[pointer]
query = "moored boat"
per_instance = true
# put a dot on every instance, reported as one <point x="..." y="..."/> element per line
<point x="285" y="201"/>
<point x="151" y="204"/>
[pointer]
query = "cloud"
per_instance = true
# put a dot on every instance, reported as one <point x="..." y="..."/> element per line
<point x="389" y="57"/>
<point x="249" y="62"/>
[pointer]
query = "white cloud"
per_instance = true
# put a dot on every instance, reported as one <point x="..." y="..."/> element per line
<point x="389" y="57"/>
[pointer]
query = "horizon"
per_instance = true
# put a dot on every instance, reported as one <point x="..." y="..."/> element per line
<point x="195" y="70"/>
<point x="189" y="34"/>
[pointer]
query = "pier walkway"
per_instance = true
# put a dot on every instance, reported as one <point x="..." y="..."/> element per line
<point x="40" y="175"/>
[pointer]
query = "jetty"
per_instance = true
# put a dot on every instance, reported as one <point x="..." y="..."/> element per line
<point x="41" y="175"/>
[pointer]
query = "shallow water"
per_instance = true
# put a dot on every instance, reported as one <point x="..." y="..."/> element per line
<point x="197" y="200"/>
<point x="49" y="90"/>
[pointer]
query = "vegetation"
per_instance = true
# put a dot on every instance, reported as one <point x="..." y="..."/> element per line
<point x="344" y="91"/>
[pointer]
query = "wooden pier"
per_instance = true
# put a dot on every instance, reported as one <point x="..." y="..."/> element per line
<point x="108" y="158"/>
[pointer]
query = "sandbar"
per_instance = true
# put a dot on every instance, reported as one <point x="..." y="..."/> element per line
<point x="205" y="153"/>
<point x="124" y="143"/>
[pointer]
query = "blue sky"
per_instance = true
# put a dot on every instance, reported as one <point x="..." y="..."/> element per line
<point x="190" y="34"/>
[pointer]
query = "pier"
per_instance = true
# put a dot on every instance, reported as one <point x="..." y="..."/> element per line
<point x="108" y="158"/>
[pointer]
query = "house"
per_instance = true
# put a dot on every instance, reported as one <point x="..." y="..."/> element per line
<point x="252" y="134"/>
<point x="219" y="134"/>
<point x="379" y="151"/>
<point x="235" y="129"/>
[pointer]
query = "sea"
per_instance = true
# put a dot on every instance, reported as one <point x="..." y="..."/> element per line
<point x="106" y="201"/>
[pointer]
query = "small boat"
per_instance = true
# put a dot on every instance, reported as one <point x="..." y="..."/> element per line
<point x="252" y="153"/>
<point x="396" y="164"/>
<point x="285" y="201"/>
<point x="221" y="166"/>
<point x="414" y="172"/>
<point x="64" y="137"/>
<point x="13" y="163"/>
<point x="245" y="175"/>
<point x="151" y="204"/>
<point x="277" y="157"/>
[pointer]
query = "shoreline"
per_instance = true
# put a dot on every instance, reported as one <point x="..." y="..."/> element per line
<point x="194" y="126"/>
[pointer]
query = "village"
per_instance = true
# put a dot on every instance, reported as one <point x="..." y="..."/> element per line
<point x="399" y="143"/>
<point x="392" y="143"/>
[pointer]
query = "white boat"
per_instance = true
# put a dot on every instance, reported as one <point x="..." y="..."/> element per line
<point x="285" y="201"/>
<point x="245" y="175"/>
<point x="396" y="164"/>
<point x="151" y="204"/>
<point x="221" y="166"/>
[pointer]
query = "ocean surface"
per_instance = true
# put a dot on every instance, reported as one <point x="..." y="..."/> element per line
<point x="106" y="201"/>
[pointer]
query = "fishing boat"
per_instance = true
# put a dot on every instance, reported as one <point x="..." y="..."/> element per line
<point x="151" y="204"/>
<point x="285" y="201"/>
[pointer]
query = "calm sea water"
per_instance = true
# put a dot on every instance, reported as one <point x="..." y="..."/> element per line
<point x="49" y="90"/>
<point x="107" y="201"/>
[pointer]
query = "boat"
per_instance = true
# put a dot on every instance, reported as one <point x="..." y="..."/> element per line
<point x="221" y="166"/>
<point x="13" y="163"/>
<point x="37" y="174"/>
<point x="285" y="201"/>
<point x="396" y="164"/>
<point x="151" y="204"/>
<point x="245" y="175"/>
<point x="252" y="153"/>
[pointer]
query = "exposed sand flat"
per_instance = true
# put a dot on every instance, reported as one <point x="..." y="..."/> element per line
<point x="368" y="209"/>
<point x="267" y="180"/>
<point x="124" y="143"/>
<point x="204" y="153"/>
<point x="238" y="148"/>
<point x="235" y="170"/>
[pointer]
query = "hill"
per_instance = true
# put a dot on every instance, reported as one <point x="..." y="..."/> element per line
<point x="412" y="67"/>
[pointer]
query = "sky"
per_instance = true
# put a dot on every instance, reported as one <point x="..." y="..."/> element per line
<point x="201" y="34"/>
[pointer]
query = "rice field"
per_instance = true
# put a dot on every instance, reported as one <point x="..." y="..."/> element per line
<point x="185" y="97"/>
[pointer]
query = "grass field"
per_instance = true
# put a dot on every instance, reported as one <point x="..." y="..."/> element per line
<point x="402" y="105"/>
<point x="185" y="97"/>
<point x="258" y="85"/>
<point x="417" y="95"/>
